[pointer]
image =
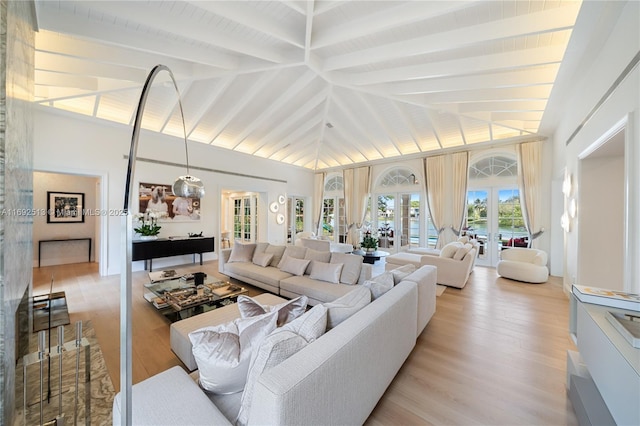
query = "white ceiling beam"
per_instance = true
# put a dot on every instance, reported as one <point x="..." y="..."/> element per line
<point x="46" y="78"/>
<point x="511" y="93"/>
<point x="249" y="94"/>
<point x="520" y="116"/>
<point x="283" y="99"/>
<point x="85" y="67"/>
<point x="514" y="78"/>
<point x="248" y="16"/>
<point x="407" y="122"/>
<point x="59" y="21"/>
<point x="50" y="42"/>
<point x="380" y="121"/>
<point x="176" y="108"/>
<point x="505" y="106"/>
<point x="550" y="20"/>
<point x="325" y="114"/>
<point x="294" y="141"/>
<point x="296" y="116"/>
<point x="205" y="100"/>
<point x="348" y="142"/>
<point x="325" y="6"/>
<point x="308" y="32"/>
<point x="393" y="17"/>
<point x="152" y="15"/>
<point x="355" y="122"/>
<point x="297" y="6"/>
<point x="475" y="64"/>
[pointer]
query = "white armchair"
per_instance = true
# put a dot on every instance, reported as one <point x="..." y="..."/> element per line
<point x="523" y="264"/>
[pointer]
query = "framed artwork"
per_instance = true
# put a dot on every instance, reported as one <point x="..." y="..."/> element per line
<point x="159" y="198"/>
<point x="65" y="207"/>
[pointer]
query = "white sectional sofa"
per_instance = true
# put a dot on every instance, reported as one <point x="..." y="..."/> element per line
<point x="336" y="379"/>
<point x="277" y="281"/>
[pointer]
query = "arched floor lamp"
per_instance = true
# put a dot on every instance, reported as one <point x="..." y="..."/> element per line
<point x="185" y="186"/>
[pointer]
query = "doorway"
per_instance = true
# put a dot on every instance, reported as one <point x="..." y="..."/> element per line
<point x="398" y="221"/>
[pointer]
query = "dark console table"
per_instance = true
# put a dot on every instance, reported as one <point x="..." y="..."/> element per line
<point x="166" y="247"/>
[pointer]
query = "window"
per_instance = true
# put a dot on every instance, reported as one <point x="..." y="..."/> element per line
<point x="245" y="218"/>
<point x="333" y="213"/>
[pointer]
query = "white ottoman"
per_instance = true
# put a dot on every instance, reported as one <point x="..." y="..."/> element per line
<point x="400" y="259"/>
<point x="179" y="331"/>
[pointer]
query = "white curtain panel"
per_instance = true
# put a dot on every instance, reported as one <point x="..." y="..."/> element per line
<point x="434" y="172"/>
<point x="459" y="196"/>
<point x="357" y="183"/>
<point x="529" y="181"/>
<point x="318" y="200"/>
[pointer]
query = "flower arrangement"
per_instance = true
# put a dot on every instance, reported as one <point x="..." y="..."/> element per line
<point x="369" y="241"/>
<point x="148" y="223"/>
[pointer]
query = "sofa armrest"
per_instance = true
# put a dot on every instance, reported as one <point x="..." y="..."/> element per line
<point x="425" y="279"/>
<point x="223" y="258"/>
<point x="449" y="271"/>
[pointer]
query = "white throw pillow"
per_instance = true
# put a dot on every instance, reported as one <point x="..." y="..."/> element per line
<point x="461" y="252"/>
<point x="329" y="272"/>
<point x="402" y="272"/>
<point x="293" y="266"/>
<point x="347" y="305"/>
<point x="279" y="346"/>
<point x="296" y="252"/>
<point x="277" y="251"/>
<point x="320" y="256"/>
<point x="242" y="252"/>
<point x="287" y="311"/>
<point x="262" y="259"/>
<point x="450" y="249"/>
<point x="223" y="352"/>
<point x="380" y="285"/>
<point x="351" y="269"/>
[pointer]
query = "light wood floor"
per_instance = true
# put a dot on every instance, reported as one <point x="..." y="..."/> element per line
<point x="493" y="354"/>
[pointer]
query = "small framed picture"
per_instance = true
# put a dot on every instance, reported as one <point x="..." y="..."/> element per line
<point x="65" y="207"/>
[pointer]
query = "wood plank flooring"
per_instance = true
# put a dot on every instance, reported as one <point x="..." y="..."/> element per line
<point x="493" y="354"/>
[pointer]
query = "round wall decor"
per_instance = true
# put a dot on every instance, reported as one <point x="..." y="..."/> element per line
<point x="280" y="219"/>
<point x="274" y="207"/>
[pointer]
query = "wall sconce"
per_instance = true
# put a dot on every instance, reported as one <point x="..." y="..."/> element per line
<point x="573" y="208"/>
<point x="184" y="186"/>
<point x="566" y="184"/>
<point x="565" y="222"/>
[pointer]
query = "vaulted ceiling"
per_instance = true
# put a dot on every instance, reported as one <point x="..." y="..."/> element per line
<point x="317" y="84"/>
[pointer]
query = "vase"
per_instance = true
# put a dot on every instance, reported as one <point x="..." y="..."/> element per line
<point x="370" y="250"/>
<point x="148" y="237"/>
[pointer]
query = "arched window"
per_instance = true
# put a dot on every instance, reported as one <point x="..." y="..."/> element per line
<point x="399" y="176"/>
<point x="494" y="215"/>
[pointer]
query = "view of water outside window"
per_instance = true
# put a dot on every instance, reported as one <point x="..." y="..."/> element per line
<point x="510" y="221"/>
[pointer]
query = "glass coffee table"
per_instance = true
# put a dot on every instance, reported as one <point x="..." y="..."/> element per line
<point x="371" y="256"/>
<point x="180" y="298"/>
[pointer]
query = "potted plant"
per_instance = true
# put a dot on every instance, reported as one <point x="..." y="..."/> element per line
<point x="369" y="242"/>
<point x="149" y="228"/>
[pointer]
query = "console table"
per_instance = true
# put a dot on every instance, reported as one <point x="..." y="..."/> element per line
<point x="62" y="240"/>
<point x="166" y="247"/>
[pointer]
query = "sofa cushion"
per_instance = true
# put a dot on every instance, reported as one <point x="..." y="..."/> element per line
<point x="279" y="346"/>
<point x="380" y="284"/>
<point x="321" y="291"/>
<point x="223" y="352"/>
<point x="450" y="249"/>
<point x="262" y="259"/>
<point x="242" y="252"/>
<point x="329" y="272"/>
<point x="402" y="272"/>
<point x="277" y="252"/>
<point x="351" y="269"/>
<point x="295" y="252"/>
<point x="270" y="276"/>
<point x="342" y="308"/>
<point x="293" y="266"/>
<point x="320" y="256"/>
<point x="287" y="311"/>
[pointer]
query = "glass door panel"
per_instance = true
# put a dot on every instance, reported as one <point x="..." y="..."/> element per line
<point x="386" y="220"/>
<point x="478" y="224"/>
<point x="409" y="221"/>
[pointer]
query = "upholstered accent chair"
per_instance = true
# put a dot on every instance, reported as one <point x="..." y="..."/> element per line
<point x="523" y="264"/>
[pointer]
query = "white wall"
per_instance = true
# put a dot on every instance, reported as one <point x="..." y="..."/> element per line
<point x="66" y="142"/>
<point x="54" y="253"/>
<point x="596" y="78"/>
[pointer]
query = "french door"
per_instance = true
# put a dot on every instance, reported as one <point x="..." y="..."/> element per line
<point x="494" y="218"/>
<point x="398" y="221"/>
<point x="295" y="218"/>
<point x="245" y="218"/>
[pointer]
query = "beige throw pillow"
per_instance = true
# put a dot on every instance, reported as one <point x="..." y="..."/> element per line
<point x="277" y="251"/>
<point x="402" y="272"/>
<point x="223" y="352"/>
<point x="329" y="272"/>
<point x="320" y="256"/>
<point x="242" y="252"/>
<point x="450" y="249"/>
<point x="293" y="266"/>
<point x="262" y="259"/>
<point x="380" y="285"/>
<point x="347" y="305"/>
<point x="351" y="269"/>
<point x="287" y="311"/>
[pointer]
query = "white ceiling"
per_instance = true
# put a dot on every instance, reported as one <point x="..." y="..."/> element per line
<point x="315" y="84"/>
